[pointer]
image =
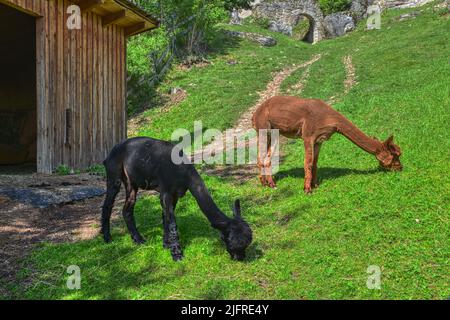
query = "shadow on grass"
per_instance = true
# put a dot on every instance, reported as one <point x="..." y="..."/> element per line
<point x="192" y="225"/>
<point x="326" y="173"/>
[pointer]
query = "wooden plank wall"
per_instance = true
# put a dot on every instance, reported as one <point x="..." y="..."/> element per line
<point x="81" y="79"/>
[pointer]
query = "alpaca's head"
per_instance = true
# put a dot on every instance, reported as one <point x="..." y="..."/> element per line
<point x="389" y="155"/>
<point x="237" y="234"/>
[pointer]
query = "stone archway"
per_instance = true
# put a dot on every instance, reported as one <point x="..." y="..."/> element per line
<point x="287" y="12"/>
<point x="312" y="31"/>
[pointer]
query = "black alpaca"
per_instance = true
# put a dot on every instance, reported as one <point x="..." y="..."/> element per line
<point x="145" y="163"/>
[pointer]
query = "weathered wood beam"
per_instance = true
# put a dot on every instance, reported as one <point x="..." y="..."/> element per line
<point x="134" y="29"/>
<point x="113" y="17"/>
<point x="87" y="5"/>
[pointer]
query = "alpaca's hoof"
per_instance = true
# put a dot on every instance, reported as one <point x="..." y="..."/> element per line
<point x="177" y="257"/>
<point x="263" y="181"/>
<point x="139" y="240"/>
<point x="107" y="238"/>
<point x="308" y="190"/>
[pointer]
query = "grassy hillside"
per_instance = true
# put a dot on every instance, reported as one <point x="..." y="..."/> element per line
<point x="305" y="247"/>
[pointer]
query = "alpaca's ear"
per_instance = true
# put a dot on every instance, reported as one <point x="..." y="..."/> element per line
<point x="237" y="208"/>
<point x="389" y="140"/>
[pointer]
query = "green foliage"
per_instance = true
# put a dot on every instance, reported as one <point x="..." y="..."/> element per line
<point x="236" y="4"/>
<point x="97" y="169"/>
<point x="140" y="89"/>
<point x="260" y="22"/>
<point x="185" y="29"/>
<point x="63" y="170"/>
<point x="332" y="6"/>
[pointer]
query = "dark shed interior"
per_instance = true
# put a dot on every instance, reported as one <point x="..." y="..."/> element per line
<point x="18" y="120"/>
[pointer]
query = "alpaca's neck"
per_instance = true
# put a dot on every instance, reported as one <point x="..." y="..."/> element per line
<point x="351" y="132"/>
<point x="209" y="208"/>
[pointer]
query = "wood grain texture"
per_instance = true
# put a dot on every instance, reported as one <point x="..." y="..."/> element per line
<point x="83" y="71"/>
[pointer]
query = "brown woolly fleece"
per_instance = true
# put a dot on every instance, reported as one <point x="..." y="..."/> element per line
<point x="314" y="121"/>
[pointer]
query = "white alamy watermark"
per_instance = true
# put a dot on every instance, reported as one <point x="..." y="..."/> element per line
<point x="232" y="147"/>
<point x="74" y="279"/>
<point x="74" y="19"/>
<point x="374" y="17"/>
<point x="374" y="278"/>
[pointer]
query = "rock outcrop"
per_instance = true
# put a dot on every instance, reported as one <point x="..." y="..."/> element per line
<point x="262" y="40"/>
<point x="400" y="4"/>
<point x="338" y="24"/>
<point x="285" y="15"/>
<point x="359" y="9"/>
<point x="276" y="26"/>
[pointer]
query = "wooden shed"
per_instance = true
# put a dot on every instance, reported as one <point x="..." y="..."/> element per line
<point x="63" y="83"/>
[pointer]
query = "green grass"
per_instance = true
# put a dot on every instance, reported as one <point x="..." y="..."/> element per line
<point x="221" y="92"/>
<point x="305" y="247"/>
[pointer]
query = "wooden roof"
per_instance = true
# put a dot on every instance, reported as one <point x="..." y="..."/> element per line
<point x="123" y="13"/>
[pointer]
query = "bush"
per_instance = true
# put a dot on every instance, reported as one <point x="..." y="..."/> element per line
<point x="97" y="170"/>
<point x="63" y="170"/>
<point x="140" y="89"/>
<point x="186" y="27"/>
<point x="332" y="6"/>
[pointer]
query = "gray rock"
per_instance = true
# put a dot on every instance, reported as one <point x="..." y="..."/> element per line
<point x="44" y="198"/>
<point x="407" y="16"/>
<point x="359" y="8"/>
<point x="175" y="90"/>
<point x="288" y="13"/>
<point x="265" y="41"/>
<point x="235" y="18"/>
<point x="401" y="4"/>
<point x="280" y="27"/>
<point x="284" y="15"/>
<point x="338" y="24"/>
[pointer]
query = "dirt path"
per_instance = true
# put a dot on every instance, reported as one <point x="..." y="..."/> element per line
<point x="242" y="173"/>
<point x="244" y="124"/>
<point x="22" y="226"/>
<point x="273" y="89"/>
<point x="349" y="81"/>
<point x="297" y="89"/>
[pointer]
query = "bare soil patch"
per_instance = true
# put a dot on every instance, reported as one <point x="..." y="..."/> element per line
<point x="22" y="226"/>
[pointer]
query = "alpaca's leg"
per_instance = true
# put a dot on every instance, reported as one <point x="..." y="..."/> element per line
<point x="166" y="243"/>
<point x="165" y="229"/>
<point x="173" y="239"/>
<point x="112" y="189"/>
<point x="315" y="180"/>
<point x="268" y="164"/>
<point x="309" y="156"/>
<point x="261" y="144"/>
<point x="128" y="215"/>
<point x="264" y="158"/>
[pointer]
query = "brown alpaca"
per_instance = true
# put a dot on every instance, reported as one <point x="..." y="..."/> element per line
<point x="314" y="121"/>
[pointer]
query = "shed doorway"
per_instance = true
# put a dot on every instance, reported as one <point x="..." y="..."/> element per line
<point x="18" y="116"/>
